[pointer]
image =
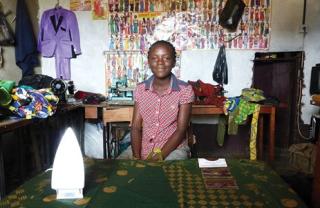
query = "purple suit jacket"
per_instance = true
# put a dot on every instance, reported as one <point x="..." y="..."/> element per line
<point x="59" y="34"/>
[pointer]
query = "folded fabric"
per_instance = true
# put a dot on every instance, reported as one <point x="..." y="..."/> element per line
<point x="252" y="94"/>
<point x="6" y="87"/>
<point x="33" y="103"/>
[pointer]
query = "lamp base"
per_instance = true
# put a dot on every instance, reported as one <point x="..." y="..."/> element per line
<point x="69" y="194"/>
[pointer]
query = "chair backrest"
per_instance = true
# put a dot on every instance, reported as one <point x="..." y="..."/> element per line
<point x="122" y="114"/>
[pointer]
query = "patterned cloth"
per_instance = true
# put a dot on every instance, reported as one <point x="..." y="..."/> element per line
<point x="160" y="112"/>
<point x="238" y="109"/>
<point x="245" y="109"/>
<point x="169" y="184"/>
<point x="33" y="103"/>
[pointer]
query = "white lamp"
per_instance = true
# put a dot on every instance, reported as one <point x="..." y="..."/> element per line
<point x="68" y="169"/>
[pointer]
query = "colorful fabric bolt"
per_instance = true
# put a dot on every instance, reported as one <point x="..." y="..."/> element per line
<point x="253" y="133"/>
<point x="33" y="103"/>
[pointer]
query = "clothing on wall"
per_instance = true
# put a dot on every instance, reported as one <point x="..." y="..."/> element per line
<point x="59" y="37"/>
<point x="25" y="42"/>
<point x="6" y="34"/>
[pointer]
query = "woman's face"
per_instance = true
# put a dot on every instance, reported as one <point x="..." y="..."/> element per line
<point x="161" y="60"/>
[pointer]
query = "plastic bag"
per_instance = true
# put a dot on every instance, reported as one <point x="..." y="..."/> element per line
<point x="220" y="71"/>
<point x="231" y="14"/>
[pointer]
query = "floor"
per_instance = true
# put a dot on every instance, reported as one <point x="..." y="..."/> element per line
<point x="298" y="180"/>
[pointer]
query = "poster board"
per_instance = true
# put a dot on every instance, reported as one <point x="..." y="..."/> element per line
<point x="188" y="24"/>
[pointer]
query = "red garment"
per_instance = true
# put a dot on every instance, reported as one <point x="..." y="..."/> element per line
<point x="207" y="94"/>
<point x="160" y="113"/>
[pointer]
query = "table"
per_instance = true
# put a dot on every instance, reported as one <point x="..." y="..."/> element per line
<point x="7" y="125"/>
<point x="132" y="183"/>
<point x="91" y="112"/>
<point x="40" y="129"/>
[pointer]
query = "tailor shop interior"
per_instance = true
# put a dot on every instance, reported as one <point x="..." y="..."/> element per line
<point x="62" y="59"/>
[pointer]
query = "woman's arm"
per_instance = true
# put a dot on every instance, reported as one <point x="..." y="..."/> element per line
<point x="176" y="138"/>
<point x="136" y="133"/>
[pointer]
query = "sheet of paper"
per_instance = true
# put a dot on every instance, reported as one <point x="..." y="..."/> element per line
<point x="204" y="163"/>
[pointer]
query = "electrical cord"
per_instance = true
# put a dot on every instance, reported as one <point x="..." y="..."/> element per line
<point x="298" y="107"/>
<point x="300" y="80"/>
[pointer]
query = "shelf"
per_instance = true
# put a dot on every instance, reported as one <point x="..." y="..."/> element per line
<point x="274" y="59"/>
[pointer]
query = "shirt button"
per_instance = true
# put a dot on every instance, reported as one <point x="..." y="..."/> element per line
<point x="157" y="112"/>
<point x="157" y="124"/>
<point x="158" y="100"/>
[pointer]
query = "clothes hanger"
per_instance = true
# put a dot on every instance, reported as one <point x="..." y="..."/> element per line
<point x="231" y="39"/>
<point x="57" y="6"/>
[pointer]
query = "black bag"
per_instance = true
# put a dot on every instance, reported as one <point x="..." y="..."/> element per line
<point x="36" y="81"/>
<point x="220" y="71"/>
<point x="231" y="14"/>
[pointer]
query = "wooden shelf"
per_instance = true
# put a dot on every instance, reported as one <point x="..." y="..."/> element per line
<point x="274" y="59"/>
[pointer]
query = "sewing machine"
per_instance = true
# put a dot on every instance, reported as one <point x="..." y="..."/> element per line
<point x="120" y="94"/>
<point x="64" y="89"/>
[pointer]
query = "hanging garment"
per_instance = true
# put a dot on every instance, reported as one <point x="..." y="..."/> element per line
<point x="6" y="34"/>
<point x="25" y="45"/>
<point x="238" y="109"/>
<point x="220" y="71"/>
<point x="59" y="37"/>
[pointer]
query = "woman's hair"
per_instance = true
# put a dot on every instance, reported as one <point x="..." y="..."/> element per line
<point x="163" y="42"/>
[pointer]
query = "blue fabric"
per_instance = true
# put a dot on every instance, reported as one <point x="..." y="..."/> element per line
<point x="26" y="47"/>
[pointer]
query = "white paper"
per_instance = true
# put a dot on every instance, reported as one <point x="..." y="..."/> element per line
<point x="204" y="163"/>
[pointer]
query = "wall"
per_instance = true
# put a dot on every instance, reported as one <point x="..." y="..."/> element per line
<point x="94" y="41"/>
<point x="87" y="70"/>
<point x="10" y="70"/>
<point x="286" y="35"/>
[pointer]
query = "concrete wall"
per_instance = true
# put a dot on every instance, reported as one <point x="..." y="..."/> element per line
<point x="286" y="35"/>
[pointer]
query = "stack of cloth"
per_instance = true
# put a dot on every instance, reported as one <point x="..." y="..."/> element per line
<point x="26" y="102"/>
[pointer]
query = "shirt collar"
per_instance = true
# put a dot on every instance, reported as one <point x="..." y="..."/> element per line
<point x="174" y="83"/>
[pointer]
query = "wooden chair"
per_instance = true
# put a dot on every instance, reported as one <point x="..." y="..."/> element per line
<point x="113" y="119"/>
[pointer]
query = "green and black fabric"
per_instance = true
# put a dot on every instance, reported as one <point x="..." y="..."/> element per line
<point x="232" y="126"/>
<point x="125" y="183"/>
<point x="6" y="87"/>
<point x="221" y="130"/>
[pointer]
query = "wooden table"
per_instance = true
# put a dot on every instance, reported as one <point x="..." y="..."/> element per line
<point x="91" y="112"/>
<point x="16" y="124"/>
<point x="161" y="184"/>
<point x="209" y="110"/>
<point x="6" y="125"/>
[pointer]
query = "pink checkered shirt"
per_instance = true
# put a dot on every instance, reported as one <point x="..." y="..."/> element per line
<point x="160" y="113"/>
